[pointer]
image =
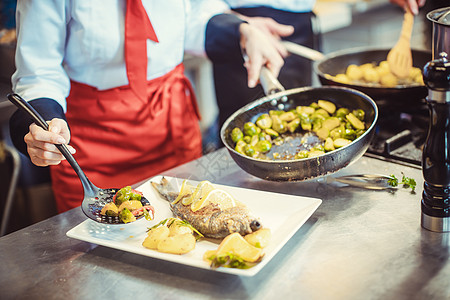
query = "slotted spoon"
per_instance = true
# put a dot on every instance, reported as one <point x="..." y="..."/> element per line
<point x="94" y="198"/>
<point x="400" y="56"/>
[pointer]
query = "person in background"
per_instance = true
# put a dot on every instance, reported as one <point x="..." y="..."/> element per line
<point x="109" y="79"/>
<point x="7" y="22"/>
<point x="281" y="20"/>
<point x="412" y="5"/>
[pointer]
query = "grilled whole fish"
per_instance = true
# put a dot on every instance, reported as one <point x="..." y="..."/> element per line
<point x="210" y="220"/>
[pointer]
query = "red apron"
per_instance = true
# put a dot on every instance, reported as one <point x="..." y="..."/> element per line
<point x="121" y="141"/>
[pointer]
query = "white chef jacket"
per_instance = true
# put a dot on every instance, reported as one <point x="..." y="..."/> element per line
<point x="63" y="40"/>
<point x="287" y="5"/>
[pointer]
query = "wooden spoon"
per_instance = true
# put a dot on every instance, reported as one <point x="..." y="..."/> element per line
<point x="400" y="56"/>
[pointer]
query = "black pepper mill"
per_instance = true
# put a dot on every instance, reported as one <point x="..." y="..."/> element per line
<point x="436" y="152"/>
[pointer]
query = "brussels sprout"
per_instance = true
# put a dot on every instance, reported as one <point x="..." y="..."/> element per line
<point x="124" y="194"/>
<point x="305" y="110"/>
<point x="359" y="132"/>
<point x="288" y="116"/>
<point x="293" y="125"/>
<point x="263" y="136"/>
<point x="278" y="141"/>
<point x="317" y="123"/>
<point x="301" y="154"/>
<point x="250" y="129"/>
<point x="249" y="150"/>
<point x="359" y="113"/>
<point x="349" y="134"/>
<point x="247" y="139"/>
<point x="126" y="216"/>
<point x="337" y="132"/>
<point x="341" y="113"/>
<point x="254" y="140"/>
<point x="263" y="146"/>
<point x="279" y="125"/>
<point x="264" y="121"/>
<point x="275" y="112"/>
<point x="272" y="133"/>
<point x="240" y="146"/>
<point x="135" y="196"/>
<point x="236" y="134"/>
<point x="317" y="148"/>
<point x="314" y="105"/>
<point x="306" y="123"/>
<point x="110" y="209"/>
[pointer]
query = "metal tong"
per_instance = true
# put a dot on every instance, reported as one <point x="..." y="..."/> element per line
<point x="367" y="181"/>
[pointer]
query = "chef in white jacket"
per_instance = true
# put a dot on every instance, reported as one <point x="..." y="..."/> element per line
<point x="74" y="67"/>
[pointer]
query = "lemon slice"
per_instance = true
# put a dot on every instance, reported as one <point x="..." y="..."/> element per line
<point x="216" y="196"/>
<point x="237" y="245"/>
<point x="186" y="189"/>
<point x="202" y="189"/>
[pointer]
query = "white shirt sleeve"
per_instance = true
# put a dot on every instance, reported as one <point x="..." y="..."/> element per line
<point x="199" y="14"/>
<point x="40" y="52"/>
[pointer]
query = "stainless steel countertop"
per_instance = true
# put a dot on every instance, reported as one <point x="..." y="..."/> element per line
<point x="359" y="244"/>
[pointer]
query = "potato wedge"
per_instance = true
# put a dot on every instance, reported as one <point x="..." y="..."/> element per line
<point x="178" y="244"/>
<point x="177" y="228"/>
<point x="154" y="236"/>
<point x="260" y="238"/>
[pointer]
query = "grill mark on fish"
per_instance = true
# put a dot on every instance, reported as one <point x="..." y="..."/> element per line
<point x="210" y="220"/>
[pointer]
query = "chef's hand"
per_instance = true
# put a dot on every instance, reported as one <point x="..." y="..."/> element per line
<point x="412" y="5"/>
<point x="41" y="143"/>
<point x="261" y="50"/>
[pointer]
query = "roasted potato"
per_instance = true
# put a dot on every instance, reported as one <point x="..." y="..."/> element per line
<point x="154" y="236"/>
<point x="178" y="227"/>
<point x="260" y="238"/>
<point x="177" y="244"/>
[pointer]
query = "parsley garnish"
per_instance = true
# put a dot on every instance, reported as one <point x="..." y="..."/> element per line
<point x="407" y="182"/>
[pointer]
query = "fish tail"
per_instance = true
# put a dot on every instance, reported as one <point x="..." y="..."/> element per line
<point x="165" y="189"/>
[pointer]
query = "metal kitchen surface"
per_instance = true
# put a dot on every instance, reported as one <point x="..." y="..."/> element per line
<point x="359" y="244"/>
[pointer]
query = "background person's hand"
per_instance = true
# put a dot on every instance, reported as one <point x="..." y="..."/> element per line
<point x="41" y="143"/>
<point x="261" y="50"/>
<point x="412" y="5"/>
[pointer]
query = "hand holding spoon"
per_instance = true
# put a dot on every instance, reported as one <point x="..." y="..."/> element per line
<point x="94" y="198"/>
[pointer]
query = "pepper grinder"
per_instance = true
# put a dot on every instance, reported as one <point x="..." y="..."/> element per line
<point x="436" y="152"/>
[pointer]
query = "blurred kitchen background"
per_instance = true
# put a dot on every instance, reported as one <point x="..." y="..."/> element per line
<point x="26" y="195"/>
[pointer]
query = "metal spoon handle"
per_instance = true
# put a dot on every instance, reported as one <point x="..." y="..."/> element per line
<point x="26" y="107"/>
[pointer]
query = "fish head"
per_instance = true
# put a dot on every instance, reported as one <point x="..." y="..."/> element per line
<point x="235" y="220"/>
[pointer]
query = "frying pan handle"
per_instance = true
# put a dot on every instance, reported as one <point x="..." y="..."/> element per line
<point x="26" y="107"/>
<point x="303" y="51"/>
<point x="269" y="82"/>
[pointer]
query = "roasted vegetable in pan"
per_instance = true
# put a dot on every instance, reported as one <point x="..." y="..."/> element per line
<point x="373" y="74"/>
<point x="335" y="127"/>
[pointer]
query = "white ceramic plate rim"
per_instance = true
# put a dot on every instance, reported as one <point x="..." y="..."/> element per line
<point x="283" y="214"/>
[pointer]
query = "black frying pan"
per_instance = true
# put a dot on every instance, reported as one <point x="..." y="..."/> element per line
<point x="302" y="169"/>
<point x="337" y="62"/>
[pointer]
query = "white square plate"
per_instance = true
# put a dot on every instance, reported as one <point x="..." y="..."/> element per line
<point x="283" y="214"/>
